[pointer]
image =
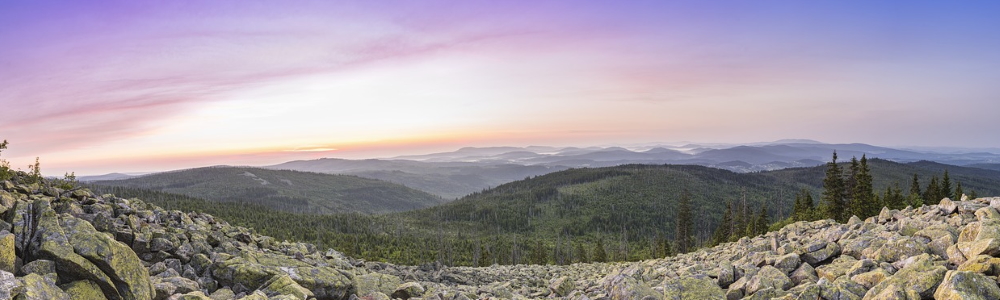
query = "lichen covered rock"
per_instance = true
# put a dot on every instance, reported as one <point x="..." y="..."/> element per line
<point x="967" y="285"/>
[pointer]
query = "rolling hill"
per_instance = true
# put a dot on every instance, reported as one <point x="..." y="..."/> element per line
<point x="450" y="180"/>
<point x="292" y="191"/>
<point x="628" y="207"/>
<point x="467" y="170"/>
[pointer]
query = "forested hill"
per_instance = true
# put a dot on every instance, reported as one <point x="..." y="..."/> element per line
<point x="626" y="211"/>
<point x="891" y="174"/>
<point x="292" y="191"/>
<point x="639" y="200"/>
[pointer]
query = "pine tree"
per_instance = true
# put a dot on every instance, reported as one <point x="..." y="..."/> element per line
<point x="797" y="208"/>
<point x="863" y="201"/>
<point x="958" y="191"/>
<point x="538" y="254"/>
<point x="762" y="221"/>
<point x="599" y="254"/>
<point x="946" y="187"/>
<point x="932" y="195"/>
<point x="5" y="172"/>
<point x="915" y="192"/>
<point x="972" y="194"/>
<point x="685" y="224"/>
<point x="581" y="254"/>
<point x="850" y="182"/>
<point x="893" y="198"/>
<point x="667" y="251"/>
<point x="484" y="256"/>
<point x="810" y="208"/>
<point x="833" y="192"/>
<point x="723" y="231"/>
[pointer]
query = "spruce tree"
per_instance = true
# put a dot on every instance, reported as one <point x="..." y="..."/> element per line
<point x="833" y="192"/>
<point x="850" y="182"/>
<point x="946" y="187"/>
<point x="807" y="203"/>
<point x="972" y="194"/>
<point x="599" y="254"/>
<point x="723" y="231"/>
<point x="863" y="201"/>
<point x="581" y="254"/>
<point x="893" y="198"/>
<point x="958" y="191"/>
<point x="797" y="208"/>
<point x="667" y="250"/>
<point x="539" y="254"/>
<point x="685" y="224"/>
<point x="915" y="192"/>
<point x="762" y="221"/>
<point x="932" y="194"/>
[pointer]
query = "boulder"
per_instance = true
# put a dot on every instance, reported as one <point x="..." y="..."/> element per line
<point x="284" y="285"/>
<point x="165" y="287"/>
<point x="7" y="256"/>
<point x="84" y="290"/>
<point x="117" y="260"/>
<point x="837" y="268"/>
<point x="408" y="290"/>
<point x="9" y="285"/>
<point x="252" y="270"/>
<point x="787" y="263"/>
<point x="842" y="288"/>
<point x="49" y="241"/>
<point x="222" y="294"/>
<point x="899" y="247"/>
<point x="921" y="277"/>
<point x="562" y="286"/>
<point x="823" y="252"/>
<point x="937" y="238"/>
<point x="727" y="274"/>
<point x="982" y="264"/>
<point x="805" y="273"/>
<point x="947" y="207"/>
<point x="768" y="276"/>
<point x="691" y="288"/>
<point x="871" y="278"/>
<point x="620" y="287"/>
<point x="376" y="283"/>
<point x="38" y="288"/>
<point x="967" y="285"/>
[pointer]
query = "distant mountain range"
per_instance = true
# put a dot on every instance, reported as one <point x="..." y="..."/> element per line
<point x="452" y="175"/>
<point x="471" y="169"/>
<point x="293" y="191"/>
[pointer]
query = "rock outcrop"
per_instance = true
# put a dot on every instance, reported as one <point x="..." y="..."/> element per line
<point x="71" y="244"/>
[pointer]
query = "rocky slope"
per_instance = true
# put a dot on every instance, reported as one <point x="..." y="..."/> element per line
<point x="71" y="244"/>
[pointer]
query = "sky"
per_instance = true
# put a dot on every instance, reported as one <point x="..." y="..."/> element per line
<point x="94" y="87"/>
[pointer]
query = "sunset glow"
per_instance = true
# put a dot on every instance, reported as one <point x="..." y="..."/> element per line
<point x="137" y="86"/>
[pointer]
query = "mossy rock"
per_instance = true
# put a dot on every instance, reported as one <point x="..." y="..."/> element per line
<point x="967" y="285"/>
<point x="920" y="277"/>
<point x="82" y="252"/>
<point x="117" y="260"/>
<point x="84" y="290"/>
<point x="223" y="294"/>
<point x="692" y="288"/>
<point x="254" y="270"/>
<point x="284" y="285"/>
<point x="37" y="287"/>
<point x="7" y="255"/>
<point x="9" y="285"/>
<point x="376" y="282"/>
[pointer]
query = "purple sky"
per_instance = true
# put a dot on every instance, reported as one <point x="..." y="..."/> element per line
<point x="131" y="86"/>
